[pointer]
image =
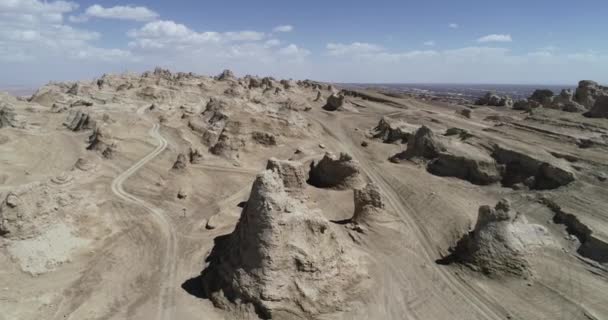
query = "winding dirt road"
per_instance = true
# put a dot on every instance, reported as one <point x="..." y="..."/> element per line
<point x="165" y="300"/>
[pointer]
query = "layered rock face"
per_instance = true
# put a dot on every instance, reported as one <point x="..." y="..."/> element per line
<point x="340" y="173"/>
<point x="283" y="258"/>
<point x="502" y="241"/>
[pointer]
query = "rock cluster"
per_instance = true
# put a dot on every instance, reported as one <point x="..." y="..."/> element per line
<point x="340" y="173"/>
<point x="492" y="99"/>
<point x="502" y="241"/>
<point x="475" y="164"/>
<point x="283" y="258"/>
<point x="581" y="100"/>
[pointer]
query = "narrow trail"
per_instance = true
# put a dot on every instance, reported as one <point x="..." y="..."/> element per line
<point x="166" y="295"/>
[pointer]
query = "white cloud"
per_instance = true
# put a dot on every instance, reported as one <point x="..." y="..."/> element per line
<point x="495" y="38"/>
<point x="293" y="50"/>
<point x="355" y="48"/>
<point x="121" y="13"/>
<point x="430" y="43"/>
<point x="453" y="26"/>
<point x="33" y="30"/>
<point x="283" y="28"/>
<point x="272" y="43"/>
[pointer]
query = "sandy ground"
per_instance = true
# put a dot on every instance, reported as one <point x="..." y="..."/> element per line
<point x="127" y="247"/>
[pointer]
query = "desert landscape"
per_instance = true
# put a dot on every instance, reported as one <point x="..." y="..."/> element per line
<point x="169" y="195"/>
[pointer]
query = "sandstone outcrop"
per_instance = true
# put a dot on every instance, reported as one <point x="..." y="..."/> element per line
<point x="392" y="131"/>
<point x="7" y="116"/>
<point x="424" y="144"/>
<point x="181" y="162"/>
<point x="101" y="141"/>
<point x="341" y="172"/>
<point x="588" y="91"/>
<point x="78" y="121"/>
<point x="368" y="203"/>
<point x="600" y="108"/>
<point x="334" y="102"/>
<point x="226" y="75"/>
<point x="292" y="173"/>
<point x="283" y="258"/>
<point x="493" y="99"/>
<point x="502" y="242"/>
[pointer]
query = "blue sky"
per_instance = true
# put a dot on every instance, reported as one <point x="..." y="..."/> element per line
<point x="432" y="41"/>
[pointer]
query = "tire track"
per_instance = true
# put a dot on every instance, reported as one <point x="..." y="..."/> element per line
<point x="166" y="295"/>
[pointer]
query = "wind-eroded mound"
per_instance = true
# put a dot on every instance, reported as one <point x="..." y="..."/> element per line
<point x="341" y="172"/>
<point x="283" y="258"/>
<point x="502" y="241"/>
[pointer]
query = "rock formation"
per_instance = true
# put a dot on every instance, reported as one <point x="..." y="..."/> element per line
<point x="181" y="162"/>
<point x="292" y="173"/>
<point x="7" y="116"/>
<point x="334" y="102"/>
<point x="11" y="212"/>
<point x="492" y="99"/>
<point x="283" y="258"/>
<point x="264" y="138"/>
<point x="502" y="241"/>
<point x="368" y="203"/>
<point x="341" y="172"/>
<point x="194" y="156"/>
<point x="226" y="75"/>
<point x="543" y="97"/>
<point x="600" y="108"/>
<point x="424" y="144"/>
<point x="78" y="120"/>
<point x="391" y="131"/>
<point x="588" y="91"/>
<point x="565" y="101"/>
<point x="101" y="141"/>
